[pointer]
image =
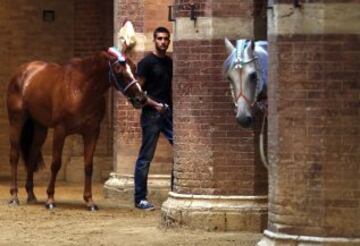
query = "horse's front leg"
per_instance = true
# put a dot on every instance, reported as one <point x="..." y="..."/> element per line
<point x="58" y="144"/>
<point x="89" y="149"/>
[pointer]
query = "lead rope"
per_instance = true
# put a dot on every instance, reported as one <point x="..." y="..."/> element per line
<point x="264" y="159"/>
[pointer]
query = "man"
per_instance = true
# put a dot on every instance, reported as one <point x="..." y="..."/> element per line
<point x="155" y="76"/>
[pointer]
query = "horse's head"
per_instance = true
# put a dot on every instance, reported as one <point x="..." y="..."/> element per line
<point x="121" y="74"/>
<point x="241" y="69"/>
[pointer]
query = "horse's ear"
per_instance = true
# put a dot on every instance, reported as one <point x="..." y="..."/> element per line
<point x="252" y="44"/>
<point x="106" y="54"/>
<point x="229" y="46"/>
<point x="122" y="46"/>
<point x="250" y="47"/>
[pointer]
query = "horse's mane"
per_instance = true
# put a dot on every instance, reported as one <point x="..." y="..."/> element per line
<point x="261" y="52"/>
<point x="93" y="58"/>
<point x="87" y="63"/>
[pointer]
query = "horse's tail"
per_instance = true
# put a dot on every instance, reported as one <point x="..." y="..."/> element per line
<point x="26" y="141"/>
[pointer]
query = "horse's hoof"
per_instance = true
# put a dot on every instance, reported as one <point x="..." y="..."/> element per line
<point x="93" y="208"/>
<point x="50" y="206"/>
<point x="31" y="200"/>
<point x="14" y="202"/>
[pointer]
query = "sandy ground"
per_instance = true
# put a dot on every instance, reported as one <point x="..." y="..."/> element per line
<point x="71" y="224"/>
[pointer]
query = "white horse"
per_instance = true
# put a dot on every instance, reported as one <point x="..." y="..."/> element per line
<point x="246" y="69"/>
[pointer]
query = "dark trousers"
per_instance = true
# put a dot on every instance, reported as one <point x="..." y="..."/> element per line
<point x="152" y="124"/>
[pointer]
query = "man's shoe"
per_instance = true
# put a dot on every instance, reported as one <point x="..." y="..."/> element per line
<point x="144" y="205"/>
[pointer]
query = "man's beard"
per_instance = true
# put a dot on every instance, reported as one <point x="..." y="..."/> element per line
<point x="161" y="48"/>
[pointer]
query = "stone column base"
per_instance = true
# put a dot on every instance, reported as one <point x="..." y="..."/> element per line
<point x="120" y="188"/>
<point x="215" y="213"/>
<point x="281" y="239"/>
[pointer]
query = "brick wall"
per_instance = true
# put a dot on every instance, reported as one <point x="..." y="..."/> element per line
<point x="313" y="123"/>
<point x="93" y="26"/>
<point x="228" y="8"/>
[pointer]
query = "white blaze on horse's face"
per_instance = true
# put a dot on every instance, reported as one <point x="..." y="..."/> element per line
<point x="129" y="72"/>
<point x="243" y="78"/>
<point x="131" y="75"/>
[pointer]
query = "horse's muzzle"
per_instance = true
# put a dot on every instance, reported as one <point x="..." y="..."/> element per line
<point x="138" y="102"/>
<point x="245" y="121"/>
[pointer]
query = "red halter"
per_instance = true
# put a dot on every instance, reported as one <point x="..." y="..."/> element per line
<point x="241" y="94"/>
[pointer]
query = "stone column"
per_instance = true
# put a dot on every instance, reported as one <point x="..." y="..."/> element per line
<point x="314" y="130"/>
<point x="145" y="16"/>
<point x="218" y="184"/>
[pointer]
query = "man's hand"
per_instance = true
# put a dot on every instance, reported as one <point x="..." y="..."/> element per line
<point x="162" y="107"/>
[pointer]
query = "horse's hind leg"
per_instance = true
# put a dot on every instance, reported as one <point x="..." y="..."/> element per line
<point x="35" y="160"/>
<point x="58" y="144"/>
<point x="89" y="149"/>
<point x="15" y="131"/>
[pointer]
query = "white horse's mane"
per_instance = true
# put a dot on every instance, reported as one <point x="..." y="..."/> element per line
<point x="261" y="52"/>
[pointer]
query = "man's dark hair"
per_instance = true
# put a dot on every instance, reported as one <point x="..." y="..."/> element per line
<point x="161" y="29"/>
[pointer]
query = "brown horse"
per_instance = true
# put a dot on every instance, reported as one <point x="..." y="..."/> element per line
<point x="69" y="98"/>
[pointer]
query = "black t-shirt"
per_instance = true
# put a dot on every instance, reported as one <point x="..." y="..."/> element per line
<point x="157" y="72"/>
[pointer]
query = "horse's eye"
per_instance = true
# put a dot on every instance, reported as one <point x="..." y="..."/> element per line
<point x="253" y="77"/>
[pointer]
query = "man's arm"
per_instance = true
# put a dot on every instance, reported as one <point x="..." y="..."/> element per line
<point x="160" y="107"/>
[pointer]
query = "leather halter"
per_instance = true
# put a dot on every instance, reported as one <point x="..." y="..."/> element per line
<point x="239" y="63"/>
<point x="118" y="84"/>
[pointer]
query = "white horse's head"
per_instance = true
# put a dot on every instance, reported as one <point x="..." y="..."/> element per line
<point x="241" y="68"/>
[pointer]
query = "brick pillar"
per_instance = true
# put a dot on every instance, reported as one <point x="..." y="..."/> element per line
<point x="314" y="195"/>
<point x="218" y="184"/>
<point x="145" y="16"/>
